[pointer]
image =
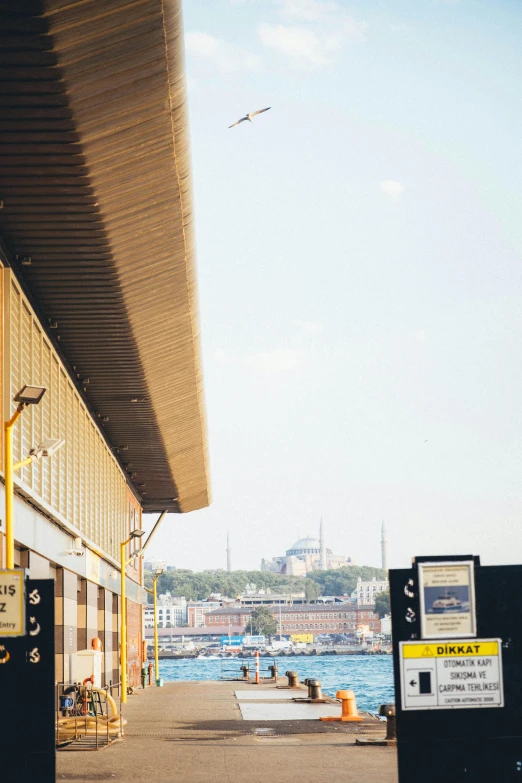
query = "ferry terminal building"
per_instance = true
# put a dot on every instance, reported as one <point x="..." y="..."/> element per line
<point x="98" y="301"/>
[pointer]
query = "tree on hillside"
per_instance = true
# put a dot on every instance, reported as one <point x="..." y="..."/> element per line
<point x="343" y="581"/>
<point x="198" y="585"/>
<point x="382" y="604"/>
<point x="312" y="590"/>
<point x="147" y="581"/>
<point x="262" y="622"/>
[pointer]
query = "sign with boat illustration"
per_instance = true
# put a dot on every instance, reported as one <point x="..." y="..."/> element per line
<point x="447" y="599"/>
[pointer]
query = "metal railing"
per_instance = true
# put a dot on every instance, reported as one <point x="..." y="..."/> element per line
<point x="83" y="719"/>
<point x="244" y="669"/>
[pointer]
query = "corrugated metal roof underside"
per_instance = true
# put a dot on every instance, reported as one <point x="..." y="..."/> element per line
<point x="95" y="180"/>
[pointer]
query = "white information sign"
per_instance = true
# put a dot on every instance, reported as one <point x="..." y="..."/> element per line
<point x="12" y="615"/>
<point x="445" y="675"/>
<point x="447" y="599"/>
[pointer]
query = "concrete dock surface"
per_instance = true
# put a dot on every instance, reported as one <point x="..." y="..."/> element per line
<point x="194" y="732"/>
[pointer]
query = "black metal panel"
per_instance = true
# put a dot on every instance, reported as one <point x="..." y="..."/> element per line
<point x="481" y="743"/>
<point x="27" y="688"/>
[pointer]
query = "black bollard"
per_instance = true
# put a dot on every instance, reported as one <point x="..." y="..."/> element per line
<point x="314" y="690"/>
<point x="388" y="711"/>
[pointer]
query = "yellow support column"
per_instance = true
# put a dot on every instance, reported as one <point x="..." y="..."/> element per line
<point x="9" y="487"/>
<point x="123" y="613"/>
<point x="156" y="658"/>
<point x="123" y="625"/>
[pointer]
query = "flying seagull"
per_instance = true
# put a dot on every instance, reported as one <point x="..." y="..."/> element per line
<point x="249" y="116"/>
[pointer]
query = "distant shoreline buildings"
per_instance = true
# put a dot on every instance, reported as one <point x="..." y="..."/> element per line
<point x="353" y="615"/>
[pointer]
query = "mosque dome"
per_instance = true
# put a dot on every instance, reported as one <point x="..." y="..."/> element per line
<point x="305" y="546"/>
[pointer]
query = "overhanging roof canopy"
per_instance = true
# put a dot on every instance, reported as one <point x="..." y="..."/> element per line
<point x="96" y="192"/>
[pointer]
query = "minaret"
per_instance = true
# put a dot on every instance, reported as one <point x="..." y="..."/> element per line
<point x="323" y="565"/>
<point x="229" y="556"/>
<point x="384" y="547"/>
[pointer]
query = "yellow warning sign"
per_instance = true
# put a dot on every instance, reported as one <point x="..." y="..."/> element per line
<point x="456" y="649"/>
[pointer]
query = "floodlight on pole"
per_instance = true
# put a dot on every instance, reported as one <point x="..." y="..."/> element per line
<point x="44" y="449"/>
<point x="47" y="448"/>
<point x="28" y="395"/>
<point x="123" y="613"/>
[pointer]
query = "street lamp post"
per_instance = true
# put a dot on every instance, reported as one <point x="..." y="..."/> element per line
<point x="157" y="573"/>
<point x="9" y="486"/>
<point x="28" y="395"/>
<point x="123" y="612"/>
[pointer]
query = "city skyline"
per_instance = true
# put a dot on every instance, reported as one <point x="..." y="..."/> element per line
<point x="227" y="550"/>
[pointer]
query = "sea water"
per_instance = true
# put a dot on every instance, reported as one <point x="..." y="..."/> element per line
<point x="370" y="677"/>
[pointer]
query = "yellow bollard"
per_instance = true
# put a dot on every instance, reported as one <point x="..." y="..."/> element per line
<point x="348" y="707"/>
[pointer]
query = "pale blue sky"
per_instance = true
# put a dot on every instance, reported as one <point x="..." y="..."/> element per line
<point x="359" y="277"/>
